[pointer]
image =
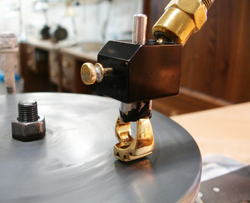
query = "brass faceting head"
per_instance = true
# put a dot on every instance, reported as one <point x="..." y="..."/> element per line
<point x="181" y="19"/>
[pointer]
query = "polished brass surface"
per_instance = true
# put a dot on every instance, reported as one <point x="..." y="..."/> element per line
<point x="179" y="29"/>
<point x="108" y="71"/>
<point x="181" y="19"/>
<point x="88" y="73"/>
<point x="160" y="41"/>
<point x="91" y="73"/>
<point x="123" y="133"/>
<point x="128" y="148"/>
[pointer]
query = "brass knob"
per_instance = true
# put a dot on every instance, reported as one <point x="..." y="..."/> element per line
<point x="91" y="73"/>
<point x="88" y="73"/>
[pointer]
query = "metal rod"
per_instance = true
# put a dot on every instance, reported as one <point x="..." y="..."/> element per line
<point x="139" y="29"/>
<point x="139" y="37"/>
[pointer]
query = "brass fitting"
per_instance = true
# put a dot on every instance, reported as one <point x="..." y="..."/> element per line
<point x="181" y="19"/>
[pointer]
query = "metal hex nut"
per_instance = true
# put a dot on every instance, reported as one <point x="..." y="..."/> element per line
<point x="28" y="131"/>
<point x="196" y="9"/>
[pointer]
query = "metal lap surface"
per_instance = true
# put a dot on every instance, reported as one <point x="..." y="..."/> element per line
<point x="75" y="163"/>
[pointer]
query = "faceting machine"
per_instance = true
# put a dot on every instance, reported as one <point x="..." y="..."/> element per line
<point x="134" y="73"/>
<point x="71" y="159"/>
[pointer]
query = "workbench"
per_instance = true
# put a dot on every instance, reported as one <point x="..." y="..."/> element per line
<point x="224" y="130"/>
<point x="48" y="66"/>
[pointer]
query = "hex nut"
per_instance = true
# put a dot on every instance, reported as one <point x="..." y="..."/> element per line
<point x="28" y="131"/>
<point x="196" y="9"/>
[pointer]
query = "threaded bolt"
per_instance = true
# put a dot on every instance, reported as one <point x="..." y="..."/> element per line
<point x="27" y="111"/>
<point x="28" y="126"/>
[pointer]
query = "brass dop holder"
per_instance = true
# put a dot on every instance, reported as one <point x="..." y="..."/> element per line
<point x="130" y="148"/>
<point x="180" y="20"/>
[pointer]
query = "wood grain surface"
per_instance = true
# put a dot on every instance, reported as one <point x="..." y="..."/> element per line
<point x="224" y="131"/>
<point x="216" y="59"/>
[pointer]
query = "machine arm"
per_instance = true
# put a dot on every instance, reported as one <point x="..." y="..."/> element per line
<point x="135" y="73"/>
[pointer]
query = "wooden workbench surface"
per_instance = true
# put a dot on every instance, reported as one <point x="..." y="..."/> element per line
<point x="77" y="51"/>
<point x="65" y="46"/>
<point x="42" y="44"/>
<point x="224" y="130"/>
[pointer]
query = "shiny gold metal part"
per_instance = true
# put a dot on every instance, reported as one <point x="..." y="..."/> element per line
<point x="181" y="19"/>
<point x="91" y="73"/>
<point x="88" y="73"/>
<point x="130" y="148"/>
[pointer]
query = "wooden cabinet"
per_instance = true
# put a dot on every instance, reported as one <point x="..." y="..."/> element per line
<point x="54" y="67"/>
<point x="34" y="63"/>
<point x="46" y="67"/>
<point x="30" y="53"/>
<point x="215" y="59"/>
<point x="37" y="59"/>
<point x="68" y="73"/>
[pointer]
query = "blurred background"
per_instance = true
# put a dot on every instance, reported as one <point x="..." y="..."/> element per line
<point x="84" y="20"/>
<point x="57" y="36"/>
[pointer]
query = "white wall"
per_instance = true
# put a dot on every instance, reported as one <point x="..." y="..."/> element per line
<point x="94" y="22"/>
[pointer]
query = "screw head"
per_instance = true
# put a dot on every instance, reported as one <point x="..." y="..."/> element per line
<point x="88" y="73"/>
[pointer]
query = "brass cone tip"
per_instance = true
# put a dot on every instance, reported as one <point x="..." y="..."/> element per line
<point x="208" y="3"/>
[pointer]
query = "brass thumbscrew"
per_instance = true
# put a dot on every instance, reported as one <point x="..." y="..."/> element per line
<point x="91" y="73"/>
